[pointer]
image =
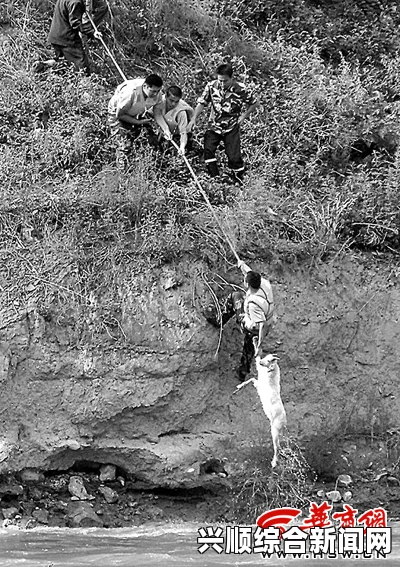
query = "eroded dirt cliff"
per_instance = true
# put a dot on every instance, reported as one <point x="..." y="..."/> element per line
<point x="159" y="403"/>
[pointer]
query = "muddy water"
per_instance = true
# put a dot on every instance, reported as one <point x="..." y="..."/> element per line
<point x="148" y="546"/>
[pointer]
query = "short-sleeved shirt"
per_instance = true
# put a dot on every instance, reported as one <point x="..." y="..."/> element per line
<point x="178" y="117"/>
<point x="130" y="99"/>
<point x="226" y="104"/>
<point x="259" y="306"/>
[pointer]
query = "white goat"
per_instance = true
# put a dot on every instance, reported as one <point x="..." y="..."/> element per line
<point x="268" y="386"/>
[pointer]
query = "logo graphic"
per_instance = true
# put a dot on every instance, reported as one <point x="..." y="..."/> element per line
<point x="323" y="533"/>
<point x="278" y="517"/>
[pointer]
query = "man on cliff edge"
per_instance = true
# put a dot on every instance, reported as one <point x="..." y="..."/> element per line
<point x="255" y="314"/>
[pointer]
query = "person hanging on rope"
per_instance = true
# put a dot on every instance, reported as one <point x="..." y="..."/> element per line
<point x="254" y="311"/>
<point x="132" y="110"/>
<point x="227" y="98"/>
<point x="177" y="113"/>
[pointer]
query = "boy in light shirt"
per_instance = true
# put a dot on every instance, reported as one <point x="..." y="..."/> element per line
<point x="177" y="114"/>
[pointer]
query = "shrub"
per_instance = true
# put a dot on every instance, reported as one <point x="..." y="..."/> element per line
<point x="260" y="489"/>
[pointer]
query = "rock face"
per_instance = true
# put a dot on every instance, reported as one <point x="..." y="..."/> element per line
<point x="42" y="516"/>
<point x="77" y="489"/>
<point x="110" y="496"/>
<point x="108" y="472"/>
<point x="9" y="513"/>
<point x="344" y="480"/>
<point x="156" y="402"/>
<point x="82" y="515"/>
<point x="10" y="490"/>
<point x="334" y="496"/>
<point x="31" y="475"/>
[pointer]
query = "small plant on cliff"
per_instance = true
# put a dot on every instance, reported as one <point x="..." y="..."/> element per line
<point x="261" y="489"/>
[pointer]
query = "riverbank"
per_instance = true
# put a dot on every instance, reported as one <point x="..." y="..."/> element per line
<point x="105" y="498"/>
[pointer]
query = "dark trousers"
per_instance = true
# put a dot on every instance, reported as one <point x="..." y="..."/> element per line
<point x="231" y="142"/>
<point x="74" y="54"/>
<point x="124" y="137"/>
<point x="234" y="306"/>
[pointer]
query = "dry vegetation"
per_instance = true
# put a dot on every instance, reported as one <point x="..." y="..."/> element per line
<point x="260" y="488"/>
<point x="322" y="151"/>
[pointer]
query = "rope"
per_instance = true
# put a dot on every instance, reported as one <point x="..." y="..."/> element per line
<point x="205" y="196"/>
<point x="100" y="37"/>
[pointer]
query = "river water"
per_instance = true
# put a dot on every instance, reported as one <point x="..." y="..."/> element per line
<point x="148" y="546"/>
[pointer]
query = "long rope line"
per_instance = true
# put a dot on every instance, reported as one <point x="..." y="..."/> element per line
<point x="100" y="37"/>
<point x="190" y="168"/>
<point x="205" y="196"/>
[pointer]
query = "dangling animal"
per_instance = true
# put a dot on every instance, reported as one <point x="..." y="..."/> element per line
<point x="268" y="386"/>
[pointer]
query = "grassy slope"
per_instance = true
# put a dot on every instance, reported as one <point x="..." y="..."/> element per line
<point x="70" y="224"/>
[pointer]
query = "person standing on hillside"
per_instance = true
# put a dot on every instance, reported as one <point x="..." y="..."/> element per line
<point x="255" y="313"/>
<point x="64" y="33"/>
<point x="69" y="31"/>
<point x="227" y="98"/>
<point x="70" y="28"/>
<point x="135" y="105"/>
<point x="177" y="113"/>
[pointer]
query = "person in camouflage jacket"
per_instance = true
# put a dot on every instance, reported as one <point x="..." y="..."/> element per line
<point x="227" y="98"/>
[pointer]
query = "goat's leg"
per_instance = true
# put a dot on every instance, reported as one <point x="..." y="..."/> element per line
<point x="278" y="432"/>
<point x="242" y="384"/>
<point x="275" y="431"/>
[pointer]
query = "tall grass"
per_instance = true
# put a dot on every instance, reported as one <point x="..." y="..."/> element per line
<point x="307" y="194"/>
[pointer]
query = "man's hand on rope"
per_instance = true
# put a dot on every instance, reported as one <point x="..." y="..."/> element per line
<point x="167" y="135"/>
<point x="191" y="125"/>
<point x="142" y="121"/>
